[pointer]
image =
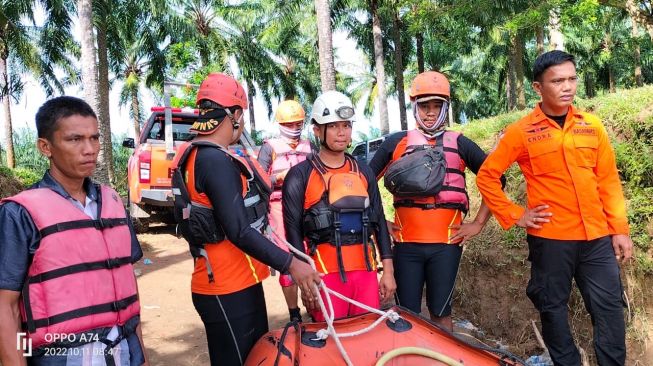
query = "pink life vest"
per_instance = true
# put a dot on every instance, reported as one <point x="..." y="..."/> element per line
<point x="285" y="157"/>
<point x="453" y="194"/>
<point x="81" y="278"/>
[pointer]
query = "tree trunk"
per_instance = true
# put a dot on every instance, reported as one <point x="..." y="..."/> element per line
<point x="105" y="159"/>
<point x="556" y="38"/>
<point x="637" y="13"/>
<point x="136" y="112"/>
<point x="89" y="68"/>
<point x="511" y="97"/>
<point x="6" y="102"/>
<point x="325" y="45"/>
<point x="419" y="40"/>
<point x="589" y="85"/>
<point x="637" y="56"/>
<point x="539" y="39"/>
<point x="250" y="101"/>
<point x="419" y="46"/>
<point x="380" y="68"/>
<point x="399" y="69"/>
<point x="516" y="59"/>
<point x="611" y="81"/>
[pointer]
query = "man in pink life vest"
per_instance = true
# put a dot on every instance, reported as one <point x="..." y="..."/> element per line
<point x="67" y="285"/>
<point x="277" y="156"/>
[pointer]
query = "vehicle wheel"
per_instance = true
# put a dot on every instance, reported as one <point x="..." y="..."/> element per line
<point x="141" y="225"/>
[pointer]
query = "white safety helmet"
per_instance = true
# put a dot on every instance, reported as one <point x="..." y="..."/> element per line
<point x="332" y="106"/>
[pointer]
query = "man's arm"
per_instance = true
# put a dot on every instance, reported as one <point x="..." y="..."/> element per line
<point x="609" y="186"/>
<point x="265" y="160"/>
<point x="383" y="155"/>
<point x="382" y="234"/>
<point x="474" y="157"/>
<point x="9" y="328"/>
<point x="489" y="175"/>
<point x="224" y="190"/>
<point x="293" y="191"/>
<point x="612" y="197"/>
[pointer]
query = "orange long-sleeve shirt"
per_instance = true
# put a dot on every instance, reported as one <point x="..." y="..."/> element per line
<point x="571" y="169"/>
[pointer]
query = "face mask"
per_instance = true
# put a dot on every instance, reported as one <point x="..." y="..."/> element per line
<point x="290" y="133"/>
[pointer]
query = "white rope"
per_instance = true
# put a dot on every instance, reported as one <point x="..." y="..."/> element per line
<point x="323" y="334"/>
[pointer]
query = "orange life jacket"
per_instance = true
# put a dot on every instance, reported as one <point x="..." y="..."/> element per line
<point x="337" y="218"/>
<point x="220" y="266"/>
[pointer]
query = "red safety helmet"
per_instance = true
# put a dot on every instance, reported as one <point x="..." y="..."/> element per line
<point x="223" y="90"/>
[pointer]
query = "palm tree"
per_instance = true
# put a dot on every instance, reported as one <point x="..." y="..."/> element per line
<point x="136" y="56"/>
<point x="325" y="42"/>
<point x="399" y="65"/>
<point x="91" y="85"/>
<point x="19" y="52"/>
<point x="379" y="67"/>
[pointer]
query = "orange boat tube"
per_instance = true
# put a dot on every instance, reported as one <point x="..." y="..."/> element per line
<point x="410" y="341"/>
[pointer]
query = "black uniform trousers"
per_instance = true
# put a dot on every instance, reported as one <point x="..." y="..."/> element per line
<point x="594" y="267"/>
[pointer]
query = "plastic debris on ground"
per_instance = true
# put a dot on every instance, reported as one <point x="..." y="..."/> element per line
<point x="147" y="261"/>
<point x="540" y="360"/>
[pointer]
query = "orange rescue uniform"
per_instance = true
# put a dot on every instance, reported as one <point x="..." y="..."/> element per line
<point x="570" y="169"/>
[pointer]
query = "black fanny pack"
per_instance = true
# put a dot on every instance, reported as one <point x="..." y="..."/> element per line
<point x="419" y="173"/>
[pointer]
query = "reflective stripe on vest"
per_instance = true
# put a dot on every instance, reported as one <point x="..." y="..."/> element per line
<point x="453" y="193"/>
<point x="285" y="157"/>
<point x="81" y="277"/>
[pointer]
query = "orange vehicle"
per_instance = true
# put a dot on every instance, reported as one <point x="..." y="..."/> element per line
<point x="149" y="167"/>
<point x="149" y="170"/>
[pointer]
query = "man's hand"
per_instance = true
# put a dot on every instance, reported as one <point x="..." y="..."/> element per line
<point x="623" y="247"/>
<point x="387" y="284"/>
<point x="465" y="232"/>
<point x="9" y="327"/>
<point x="280" y="177"/>
<point x="534" y="218"/>
<point x="306" y="278"/>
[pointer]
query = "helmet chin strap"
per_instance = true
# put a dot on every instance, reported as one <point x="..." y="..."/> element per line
<point x="323" y="141"/>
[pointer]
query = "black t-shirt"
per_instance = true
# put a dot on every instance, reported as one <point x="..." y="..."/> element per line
<point x="218" y="176"/>
<point x="560" y="120"/>
<point x="294" y="190"/>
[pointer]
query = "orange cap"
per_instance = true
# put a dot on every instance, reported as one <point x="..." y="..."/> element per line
<point x="430" y="83"/>
<point x="290" y="111"/>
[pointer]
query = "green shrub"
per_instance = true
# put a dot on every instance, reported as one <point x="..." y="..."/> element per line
<point x="26" y="176"/>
